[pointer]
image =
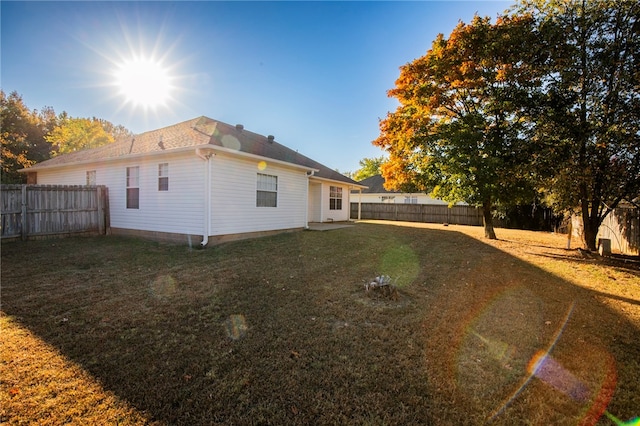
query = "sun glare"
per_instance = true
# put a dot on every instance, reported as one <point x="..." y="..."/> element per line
<point x="144" y="82"/>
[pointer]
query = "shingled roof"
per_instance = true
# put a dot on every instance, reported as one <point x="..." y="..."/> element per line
<point x="194" y="133"/>
<point x="375" y="185"/>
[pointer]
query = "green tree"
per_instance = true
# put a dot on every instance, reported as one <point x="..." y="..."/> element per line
<point x="117" y="131"/>
<point x="457" y="132"/>
<point x="75" y="134"/>
<point x="22" y="136"/>
<point x="368" y="167"/>
<point x="587" y="127"/>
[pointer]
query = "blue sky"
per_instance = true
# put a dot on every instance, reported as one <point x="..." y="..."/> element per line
<point x="314" y="74"/>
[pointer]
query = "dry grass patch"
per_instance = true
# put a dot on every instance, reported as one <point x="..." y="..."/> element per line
<point x="280" y="330"/>
<point x="40" y="386"/>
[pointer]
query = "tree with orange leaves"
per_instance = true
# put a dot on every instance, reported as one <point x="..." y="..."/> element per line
<point x="459" y="130"/>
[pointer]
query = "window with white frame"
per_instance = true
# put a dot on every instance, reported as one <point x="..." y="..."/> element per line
<point x="91" y="177"/>
<point x="411" y="199"/>
<point x="335" y="198"/>
<point x="133" y="187"/>
<point x="388" y="199"/>
<point x="163" y="177"/>
<point x="267" y="191"/>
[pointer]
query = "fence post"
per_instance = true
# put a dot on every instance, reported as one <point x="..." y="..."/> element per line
<point x="107" y="209"/>
<point x="100" y="212"/>
<point x="23" y="214"/>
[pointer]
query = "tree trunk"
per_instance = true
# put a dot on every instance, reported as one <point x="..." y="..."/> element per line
<point x="487" y="220"/>
<point x="590" y="225"/>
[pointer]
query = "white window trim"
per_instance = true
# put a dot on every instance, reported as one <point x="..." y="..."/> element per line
<point x="265" y="186"/>
<point x="133" y="182"/>
<point x="335" y="193"/>
<point x="163" y="176"/>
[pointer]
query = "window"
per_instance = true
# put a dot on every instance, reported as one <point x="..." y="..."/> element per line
<point x="411" y="199"/>
<point x="163" y="177"/>
<point x="91" y="177"/>
<point x="133" y="187"/>
<point x="388" y="199"/>
<point x="267" y="191"/>
<point x="335" y="198"/>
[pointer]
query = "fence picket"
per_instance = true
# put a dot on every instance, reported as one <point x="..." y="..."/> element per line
<point x="428" y="213"/>
<point x="48" y="210"/>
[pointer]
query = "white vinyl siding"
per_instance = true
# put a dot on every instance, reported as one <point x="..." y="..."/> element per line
<point x="329" y="214"/>
<point x="421" y="198"/>
<point x="234" y="197"/>
<point x="179" y="210"/>
<point x="91" y="177"/>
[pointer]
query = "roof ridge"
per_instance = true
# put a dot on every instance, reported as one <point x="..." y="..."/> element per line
<point x="170" y="126"/>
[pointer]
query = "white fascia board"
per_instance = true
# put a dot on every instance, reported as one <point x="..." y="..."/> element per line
<point x="110" y="159"/>
<point x="350" y="185"/>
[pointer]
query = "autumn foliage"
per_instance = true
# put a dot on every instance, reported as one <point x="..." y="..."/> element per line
<point x="541" y="105"/>
<point x="457" y="131"/>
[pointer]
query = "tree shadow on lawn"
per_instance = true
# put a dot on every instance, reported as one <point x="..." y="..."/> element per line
<point x="279" y="330"/>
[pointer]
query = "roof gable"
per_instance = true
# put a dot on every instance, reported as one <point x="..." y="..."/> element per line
<point x="193" y="133"/>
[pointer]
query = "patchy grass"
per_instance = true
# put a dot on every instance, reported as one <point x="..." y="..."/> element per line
<point x="280" y="330"/>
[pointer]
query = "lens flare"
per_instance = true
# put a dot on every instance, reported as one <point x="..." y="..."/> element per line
<point x="236" y="326"/>
<point x="525" y="381"/>
<point x="262" y="165"/>
<point x="162" y="287"/>
<point x="401" y="264"/>
<point x="632" y="422"/>
<point x="231" y="142"/>
<point x="500" y="351"/>
<point x="547" y="369"/>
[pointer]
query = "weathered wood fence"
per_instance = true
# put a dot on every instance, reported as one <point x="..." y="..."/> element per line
<point x="428" y="213"/>
<point x="36" y="211"/>
<point x="621" y="226"/>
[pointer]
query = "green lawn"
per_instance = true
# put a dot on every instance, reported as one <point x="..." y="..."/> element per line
<point x="280" y="330"/>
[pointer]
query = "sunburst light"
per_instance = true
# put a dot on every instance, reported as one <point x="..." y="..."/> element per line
<point x="144" y="82"/>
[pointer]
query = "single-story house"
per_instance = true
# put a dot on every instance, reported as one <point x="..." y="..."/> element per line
<point x="204" y="181"/>
<point x="376" y="193"/>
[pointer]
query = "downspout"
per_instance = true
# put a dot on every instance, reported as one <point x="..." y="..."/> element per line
<point x="359" y="203"/>
<point x="206" y="156"/>
<point x="321" y="204"/>
<point x="306" y="207"/>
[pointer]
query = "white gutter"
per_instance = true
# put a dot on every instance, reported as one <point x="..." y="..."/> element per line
<point x="206" y="155"/>
<point x="341" y="183"/>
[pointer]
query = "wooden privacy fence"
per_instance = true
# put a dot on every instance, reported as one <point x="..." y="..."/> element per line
<point x="32" y="211"/>
<point x="428" y="213"/>
<point x="621" y="226"/>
